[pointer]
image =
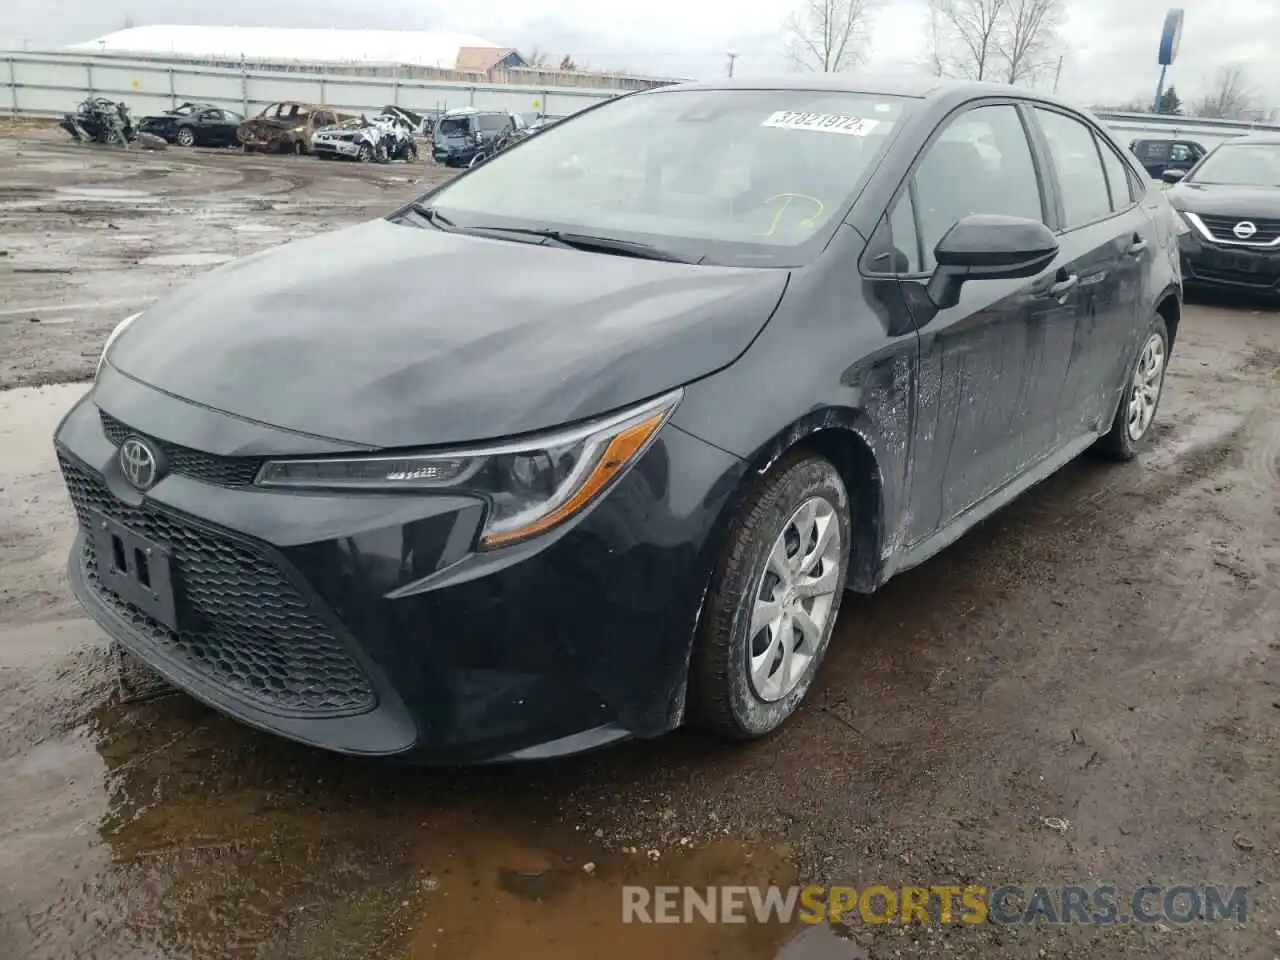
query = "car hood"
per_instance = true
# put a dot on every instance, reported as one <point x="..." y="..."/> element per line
<point x="393" y="336"/>
<point x="1226" y="201"/>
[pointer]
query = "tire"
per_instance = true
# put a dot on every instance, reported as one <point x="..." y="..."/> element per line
<point x="728" y="695"/>
<point x="1135" y="415"/>
<point x="478" y="159"/>
<point x="366" y="153"/>
<point x="186" y="137"/>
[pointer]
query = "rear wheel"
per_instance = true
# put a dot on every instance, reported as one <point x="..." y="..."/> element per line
<point x="186" y="137"/>
<point x="1143" y="388"/>
<point x="773" y="601"/>
<point x="366" y="153"/>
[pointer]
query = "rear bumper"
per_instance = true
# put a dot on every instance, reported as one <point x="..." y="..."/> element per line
<point x="366" y="625"/>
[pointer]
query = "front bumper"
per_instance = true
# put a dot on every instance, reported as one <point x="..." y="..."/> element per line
<point x="365" y="624"/>
<point x="340" y="148"/>
<point x="452" y="154"/>
<point x="1247" y="269"/>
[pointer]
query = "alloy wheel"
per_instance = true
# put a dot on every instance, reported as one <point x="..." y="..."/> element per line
<point x="794" y="600"/>
<point x="1144" y="392"/>
<point x="186" y="138"/>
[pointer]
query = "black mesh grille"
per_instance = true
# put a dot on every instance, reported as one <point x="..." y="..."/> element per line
<point x="206" y="467"/>
<point x="244" y="625"/>
<point x="1222" y="228"/>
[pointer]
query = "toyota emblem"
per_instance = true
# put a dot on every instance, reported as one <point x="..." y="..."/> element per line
<point x="139" y="463"/>
<point x="1245" y="229"/>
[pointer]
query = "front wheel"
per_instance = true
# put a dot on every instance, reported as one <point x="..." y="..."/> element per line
<point x="774" y="597"/>
<point x="1144" y="386"/>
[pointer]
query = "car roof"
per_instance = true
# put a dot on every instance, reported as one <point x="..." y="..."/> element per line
<point x="919" y="86"/>
<point x="1268" y="139"/>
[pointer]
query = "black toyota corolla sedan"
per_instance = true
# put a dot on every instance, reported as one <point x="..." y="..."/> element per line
<point x="694" y="362"/>
<point x="1230" y="205"/>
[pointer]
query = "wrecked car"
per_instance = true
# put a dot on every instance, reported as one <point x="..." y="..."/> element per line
<point x="384" y="138"/>
<point x="418" y="122"/>
<point x="194" y="124"/>
<point x="463" y="134"/>
<point x="286" y="127"/>
<point x="99" y="120"/>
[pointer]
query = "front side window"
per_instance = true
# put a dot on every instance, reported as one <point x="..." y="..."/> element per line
<point x="725" y="176"/>
<point x="1081" y="179"/>
<point x="980" y="163"/>
<point x="1241" y="165"/>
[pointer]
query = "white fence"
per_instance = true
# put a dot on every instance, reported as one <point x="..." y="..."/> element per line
<point x="51" y="84"/>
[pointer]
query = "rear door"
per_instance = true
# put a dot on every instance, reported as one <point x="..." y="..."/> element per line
<point x="208" y="126"/>
<point x="1106" y="243"/>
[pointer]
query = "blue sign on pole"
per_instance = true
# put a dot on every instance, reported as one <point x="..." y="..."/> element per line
<point x="1170" y="37"/>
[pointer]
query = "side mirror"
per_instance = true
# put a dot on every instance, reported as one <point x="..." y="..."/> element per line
<point x="988" y="247"/>
<point x="1173" y="176"/>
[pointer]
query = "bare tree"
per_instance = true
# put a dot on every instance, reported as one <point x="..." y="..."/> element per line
<point x="966" y="37"/>
<point x="935" y="56"/>
<point x="828" y="36"/>
<point x="1230" y="97"/>
<point x="1027" y="41"/>
<point x="537" y="57"/>
<point x="1008" y="40"/>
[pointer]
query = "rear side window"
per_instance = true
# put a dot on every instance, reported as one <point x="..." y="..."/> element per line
<point x="489" y="123"/>
<point x="1081" y="179"/>
<point x="1119" y="177"/>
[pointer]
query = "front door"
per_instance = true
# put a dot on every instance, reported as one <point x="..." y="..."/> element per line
<point x="992" y="368"/>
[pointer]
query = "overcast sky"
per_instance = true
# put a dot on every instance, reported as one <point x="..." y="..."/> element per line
<point x="1110" y="47"/>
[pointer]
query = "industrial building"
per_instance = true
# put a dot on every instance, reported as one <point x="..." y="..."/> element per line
<point x="445" y="51"/>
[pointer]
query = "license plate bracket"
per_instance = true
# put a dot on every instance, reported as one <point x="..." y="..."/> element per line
<point x="137" y="570"/>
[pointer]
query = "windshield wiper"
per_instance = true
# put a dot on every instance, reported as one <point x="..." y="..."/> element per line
<point x="431" y="215"/>
<point x="583" y="241"/>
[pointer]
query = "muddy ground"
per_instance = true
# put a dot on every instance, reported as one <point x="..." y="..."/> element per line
<point x="1106" y="651"/>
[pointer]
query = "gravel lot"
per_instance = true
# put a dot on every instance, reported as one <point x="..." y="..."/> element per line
<point x="1106" y="651"/>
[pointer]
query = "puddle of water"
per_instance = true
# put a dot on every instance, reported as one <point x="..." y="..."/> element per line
<point x="550" y="910"/>
<point x="187" y="259"/>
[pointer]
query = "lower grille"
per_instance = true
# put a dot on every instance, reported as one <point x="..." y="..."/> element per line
<point x="244" y="625"/>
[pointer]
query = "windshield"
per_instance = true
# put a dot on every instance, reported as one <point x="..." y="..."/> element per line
<point x="1241" y="165"/>
<point x="454" y="127"/>
<point x="733" y="176"/>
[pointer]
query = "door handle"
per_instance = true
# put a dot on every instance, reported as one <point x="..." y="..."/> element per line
<point x="1065" y="285"/>
<point x="1135" y="248"/>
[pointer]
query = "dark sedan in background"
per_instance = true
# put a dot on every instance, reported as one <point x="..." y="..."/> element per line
<point x="1230" y="205"/>
<point x="194" y="124"/>
<point x="695" y="361"/>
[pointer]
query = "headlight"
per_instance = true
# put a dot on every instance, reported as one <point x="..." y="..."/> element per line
<point x="531" y="485"/>
<point x="121" y="327"/>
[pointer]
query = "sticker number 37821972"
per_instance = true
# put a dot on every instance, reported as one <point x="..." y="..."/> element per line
<point x="822" y="122"/>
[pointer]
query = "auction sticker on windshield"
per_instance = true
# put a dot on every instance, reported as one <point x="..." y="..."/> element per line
<point x="825" y="122"/>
